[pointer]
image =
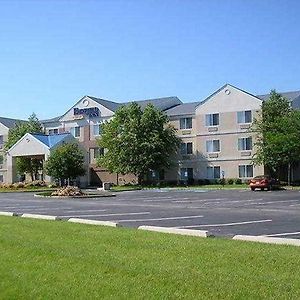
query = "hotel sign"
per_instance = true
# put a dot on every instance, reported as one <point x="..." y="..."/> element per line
<point x="91" y="111"/>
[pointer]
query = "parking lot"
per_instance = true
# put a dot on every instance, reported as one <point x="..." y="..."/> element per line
<point x="222" y="212"/>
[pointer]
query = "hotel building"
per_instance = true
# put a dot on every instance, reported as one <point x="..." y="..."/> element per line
<point x="215" y="134"/>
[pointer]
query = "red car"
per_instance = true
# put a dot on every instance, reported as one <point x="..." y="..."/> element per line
<point x="263" y="182"/>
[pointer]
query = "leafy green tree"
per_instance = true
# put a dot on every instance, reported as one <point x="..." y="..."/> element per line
<point x="25" y="164"/>
<point x="277" y="131"/>
<point x="65" y="162"/>
<point x="138" y="141"/>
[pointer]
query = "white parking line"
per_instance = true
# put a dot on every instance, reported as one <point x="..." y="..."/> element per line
<point x="225" y="224"/>
<point x="282" y="234"/>
<point x="161" y="219"/>
<point x="201" y="200"/>
<point x="108" y="215"/>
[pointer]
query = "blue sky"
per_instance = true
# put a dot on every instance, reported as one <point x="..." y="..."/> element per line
<point x="54" y="52"/>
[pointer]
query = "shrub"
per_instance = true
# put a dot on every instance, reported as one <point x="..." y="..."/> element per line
<point x="238" y="181"/>
<point x="230" y="180"/>
<point x="221" y="181"/>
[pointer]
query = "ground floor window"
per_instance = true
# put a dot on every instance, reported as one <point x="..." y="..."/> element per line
<point x="213" y="172"/>
<point x="245" y="171"/>
<point x="186" y="173"/>
<point x="1" y="178"/>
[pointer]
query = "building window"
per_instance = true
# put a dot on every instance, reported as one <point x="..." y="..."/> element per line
<point x="212" y="146"/>
<point x="1" y="141"/>
<point x="53" y="131"/>
<point x="186" y="173"/>
<point x="186" y="148"/>
<point x="245" y="143"/>
<point x="186" y="123"/>
<point x="96" y="129"/>
<point x="245" y="171"/>
<point x="1" y="178"/>
<point x="212" y="120"/>
<point x="244" y="116"/>
<point x="213" y="172"/>
<point x="1" y="159"/>
<point x="75" y="131"/>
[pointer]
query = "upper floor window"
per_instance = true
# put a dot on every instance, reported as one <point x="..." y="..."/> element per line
<point x="244" y="116"/>
<point x="212" y="119"/>
<point x="186" y="148"/>
<point x="245" y="171"/>
<point x="53" y="131"/>
<point x="96" y="129"/>
<point x="186" y="123"/>
<point x="213" y="146"/>
<point x="245" y="143"/>
<point x="1" y="139"/>
<point x="75" y="131"/>
<point x="213" y="172"/>
<point x="1" y="159"/>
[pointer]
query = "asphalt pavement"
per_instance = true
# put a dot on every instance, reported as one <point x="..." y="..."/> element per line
<point x="222" y="212"/>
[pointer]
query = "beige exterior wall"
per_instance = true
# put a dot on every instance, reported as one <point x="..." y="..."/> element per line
<point x="226" y="102"/>
<point x="3" y="166"/>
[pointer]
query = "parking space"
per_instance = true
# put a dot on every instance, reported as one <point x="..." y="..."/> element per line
<point x="222" y="212"/>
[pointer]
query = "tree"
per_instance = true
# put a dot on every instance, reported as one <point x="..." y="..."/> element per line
<point x="25" y="164"/>
<point x="138" y="141"/>
<point x="65" y="162"/>
<point x="278" y="130"/>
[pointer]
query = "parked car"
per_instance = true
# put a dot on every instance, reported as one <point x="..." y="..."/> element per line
<point x="263" y="182"/>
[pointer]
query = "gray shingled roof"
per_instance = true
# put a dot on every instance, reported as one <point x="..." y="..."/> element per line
<point x="52" y="120"/>
<point x="183" y="109"/>
<point x="9" y="123"/>
<point x="293" y="97"/>
<point x="160" y="103"/>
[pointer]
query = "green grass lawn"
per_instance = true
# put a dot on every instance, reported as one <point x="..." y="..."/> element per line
<point x="60" y="260"/>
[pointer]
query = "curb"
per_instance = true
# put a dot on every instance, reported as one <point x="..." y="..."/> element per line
<point x="8" y="213"/>
<point x="191" y="232"/>
<point x="268" y="240"/>
<point x="43" y="217"/>
<point x="94" y="222"/>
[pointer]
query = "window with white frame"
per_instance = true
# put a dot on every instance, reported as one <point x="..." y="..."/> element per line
<point x="186" y="148"/>
<point x="1" y="161"/>
<point x="1" y="178"/>
<point x="245" y="143"/>
<point x="213" y="172"/>
<point x="186" y="123"/>
<point x="53" y="131"/>
<point x="186" y="173"/>
<point x="1" y="140"/>
<point x="244" y="116"/>
<point x="212" y="120"/>
<point x="97" y="129"/>
<point x="75" y="131"/>
<point x="245" y="171"/>
<point x="213" y="146"/>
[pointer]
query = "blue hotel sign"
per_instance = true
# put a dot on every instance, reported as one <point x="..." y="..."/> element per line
<point x="91" y="111"/>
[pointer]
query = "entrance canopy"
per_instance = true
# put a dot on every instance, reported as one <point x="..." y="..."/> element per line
<point x="34" y="145"/>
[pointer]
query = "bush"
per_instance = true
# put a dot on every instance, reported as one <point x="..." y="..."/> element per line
<point x="221" y="181"/>
<point x="35" y="183"/>
<point x="230" y="181"/>
<point x="238" y="181"/>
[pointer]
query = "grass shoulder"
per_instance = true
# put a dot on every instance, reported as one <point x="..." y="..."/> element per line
<point x="45" y="260"/>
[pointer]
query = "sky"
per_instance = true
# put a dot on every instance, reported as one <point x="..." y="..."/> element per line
<point x="53" y="52"/>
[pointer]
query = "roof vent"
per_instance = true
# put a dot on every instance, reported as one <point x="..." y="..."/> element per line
<point x="227" y="92"/>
